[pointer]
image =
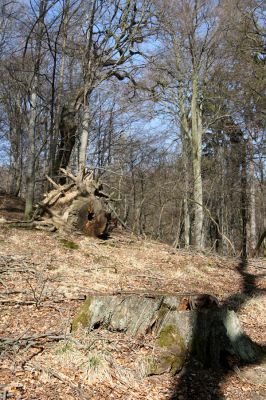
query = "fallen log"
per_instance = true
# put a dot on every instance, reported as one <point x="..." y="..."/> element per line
<point x="178" y="325"/>
<point x="79" y="205"/>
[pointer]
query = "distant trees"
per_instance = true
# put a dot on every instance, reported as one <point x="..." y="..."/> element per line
<point x="164" y="100"/>
<point x="190" y="33"/>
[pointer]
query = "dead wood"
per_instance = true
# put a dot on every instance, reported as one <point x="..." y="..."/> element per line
<point x="79" y="206"/>
<point x="58" y="375"/>
<point x="179" y="324"/>
<point x="25" y="342"/>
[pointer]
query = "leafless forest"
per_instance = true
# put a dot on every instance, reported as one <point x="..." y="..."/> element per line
<point x="132" y="139"/>
<point x="163" y="101"/>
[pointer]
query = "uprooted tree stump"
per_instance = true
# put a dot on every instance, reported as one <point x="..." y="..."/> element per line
<point x="178" y="324"/>
<point x="79" y="205"/>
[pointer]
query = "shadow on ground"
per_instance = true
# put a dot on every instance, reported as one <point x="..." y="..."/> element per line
<point x="198" y="381"/>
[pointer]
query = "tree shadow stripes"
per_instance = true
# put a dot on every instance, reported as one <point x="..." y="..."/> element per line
<point x="207" y="366"/>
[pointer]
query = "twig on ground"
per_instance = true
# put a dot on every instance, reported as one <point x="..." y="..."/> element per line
<point x="58" y="375"/>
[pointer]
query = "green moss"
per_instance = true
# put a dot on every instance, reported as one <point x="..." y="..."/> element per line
<point x="169" y="352"/>
<point x="170" y="336"/>
<point x="174" y="361"/>
<point x="69" y="244"/>
<point x="162" y="312"/>
<point x="173" y="349"/>
<point x="163" y="363"/>
<point x="151" y="366"/>
<point x="83" y="317"/>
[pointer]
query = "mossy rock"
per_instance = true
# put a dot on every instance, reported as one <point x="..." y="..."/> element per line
<point x="82" y="320"/>
<point x="169" y="337"/>
<point x="207" y="333"/>
<point x="169" y="352"/>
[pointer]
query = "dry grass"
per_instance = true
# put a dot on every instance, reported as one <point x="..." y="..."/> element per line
<point x="103" y="364"/>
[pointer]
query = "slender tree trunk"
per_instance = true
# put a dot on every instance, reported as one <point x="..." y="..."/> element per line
<point x="87" y="84"/>
<point x="185" y="138"/>
<point x="186" y="193"/>
<point x="264" y="241"/>
<point x="252" y="201"/>
<point x="16" y="156"/>
<point x="30" y="172"/>
<point x="84" y="138"/>
<point x="244" y="202"/>
<point x="53" y="139"/>
<point x="196" y="138"/>
<point x="222" y="212"/>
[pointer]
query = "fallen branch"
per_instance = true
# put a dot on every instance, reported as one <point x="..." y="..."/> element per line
<point x="58" y="375"/>
<point x="28" y="341"/>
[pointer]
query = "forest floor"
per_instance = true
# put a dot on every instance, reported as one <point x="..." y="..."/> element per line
<point x="44" y="278"/>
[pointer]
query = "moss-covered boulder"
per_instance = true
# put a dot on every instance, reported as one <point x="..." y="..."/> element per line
<point x="169" y="352"/>
<point x="82" y="319"/>
<point x="158" y="315"/>
<point x="177" y="325"/>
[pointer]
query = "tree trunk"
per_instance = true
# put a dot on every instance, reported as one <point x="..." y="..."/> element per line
<point x="68" y="131"/>
<point x="53" y="140"/>
<point x="185" y="155"/>
<point x="185" y="139"/>
<point x="30" y="173"/>
<point x="244" y="202"/>
<point x="196" y="138"/>
<point x="179" y="323"/>
<point x="252" y="201"/>
<point x="262" y="240"/>
<point x="87" y="72"/>
<point x="16" y="163"/>
<point x="84" y="138"/>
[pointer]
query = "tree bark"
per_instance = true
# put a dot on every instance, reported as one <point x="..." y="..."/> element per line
<point x="68" y="132"/>
<point x="84" y="138"/>
<point x="30" y="173"/>
<point x="196" y="139"/>
<point x="186" y="192"/>
<point x="252" y="201"/>
<point x="53" y="139"/>
<point x="244" y="201"/>
<point x="262" y="240"/>
<point x="179" y="324"/>
<point x="185" y="140"/>
<point x="16" y="163"/>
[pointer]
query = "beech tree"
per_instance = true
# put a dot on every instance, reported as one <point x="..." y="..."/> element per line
<point x="150" y="96"/>
<point x="189" y="34"/>
<point x="113" y="34"/>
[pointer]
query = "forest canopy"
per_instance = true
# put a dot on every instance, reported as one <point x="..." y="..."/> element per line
<point x="163" y="101"/>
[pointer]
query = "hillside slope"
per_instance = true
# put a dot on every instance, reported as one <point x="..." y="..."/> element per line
<point x="45" y="277"/>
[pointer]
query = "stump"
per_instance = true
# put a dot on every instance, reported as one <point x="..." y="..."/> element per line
<point x="79" y="205"/>
<point x="178" y="325"/>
